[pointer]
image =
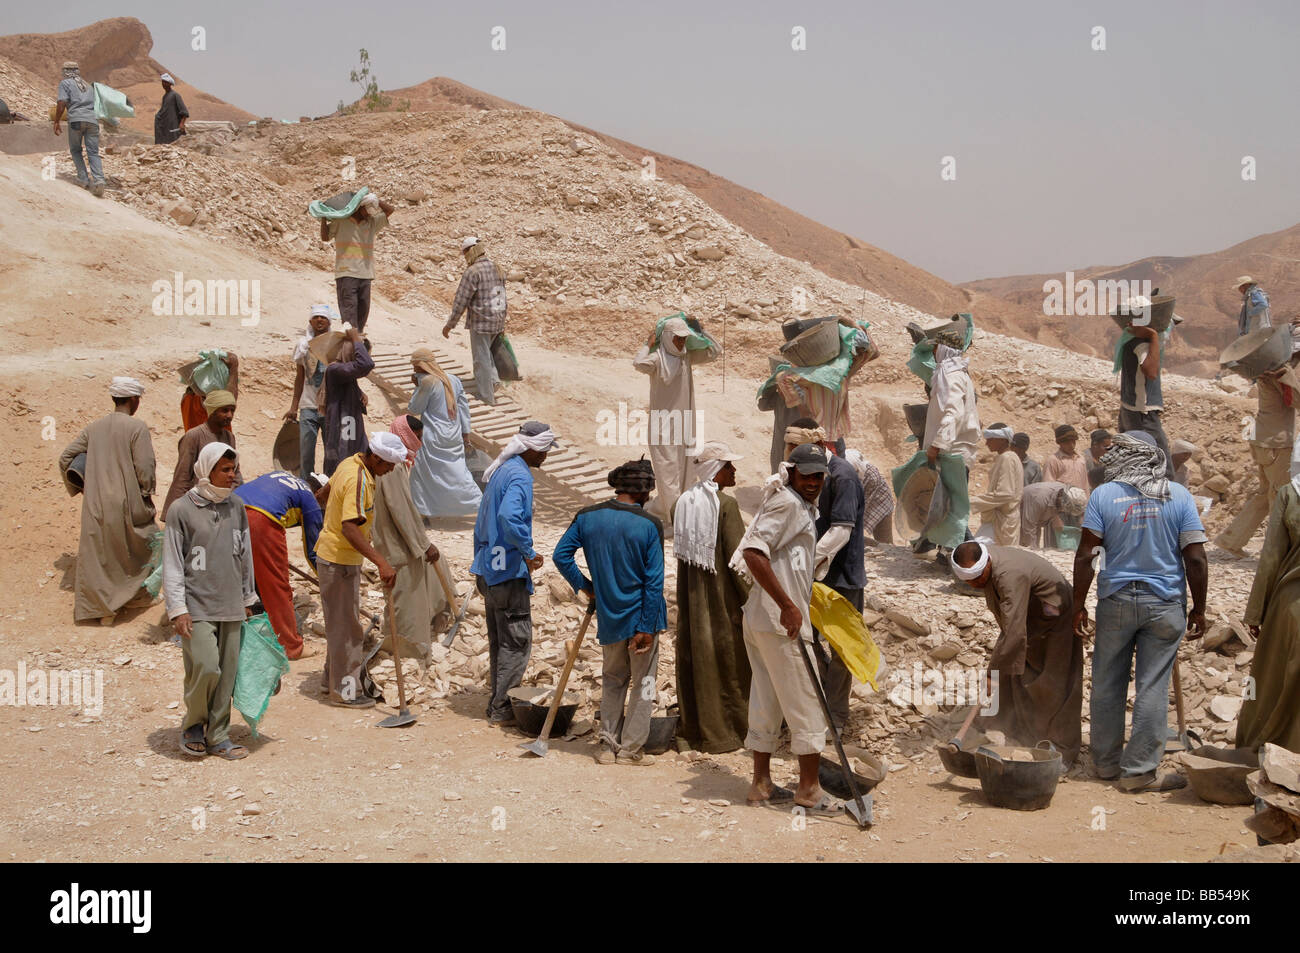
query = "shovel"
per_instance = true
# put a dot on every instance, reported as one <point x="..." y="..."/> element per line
<point x="1188" y="738"/>
<point x="403" y="716"/>
<point x="539" y="747"/>
<point x="860" y="807"/>
<point x="450" y="592"/>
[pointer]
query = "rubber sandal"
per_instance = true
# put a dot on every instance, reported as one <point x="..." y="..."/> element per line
<point x="192" y="736"/>
<point x="826" y="807"/>
<point x="779" y="795"/>
<point x="228" y="750"/>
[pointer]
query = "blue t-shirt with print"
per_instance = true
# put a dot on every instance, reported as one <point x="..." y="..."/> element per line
<point x="1141" y="538"/>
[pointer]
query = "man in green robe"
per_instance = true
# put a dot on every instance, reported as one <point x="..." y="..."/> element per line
<point x="713" y="672"/>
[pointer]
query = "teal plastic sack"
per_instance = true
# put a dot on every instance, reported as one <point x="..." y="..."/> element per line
<point x="921" y="363"/>
<point x="112" y="105"/>
<point x="262" y="663"/>
<point x="211" y="373"/>
<point x="153" y="584"/>
<point x="319" y="209"/>
<point x="950" y="530"/>
<point x="697" y="340"/>
<point x="830" y="375"/>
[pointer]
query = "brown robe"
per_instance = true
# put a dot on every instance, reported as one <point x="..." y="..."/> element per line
<point x="1038" y="658"/>
<point x="1274" y="713"/>
<point x="398" y="534"/>
<point x="713" y="672"/>
<point x="187" y="454"/>
<point x="117" y="514"/>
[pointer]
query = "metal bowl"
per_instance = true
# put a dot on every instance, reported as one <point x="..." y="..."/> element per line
<point x="532" y="717"/>
<point x="663" y="732"/>
<point x="1218" y="775"/>
<point x="1022" y="779"/>
<point x="1258" y="352"/>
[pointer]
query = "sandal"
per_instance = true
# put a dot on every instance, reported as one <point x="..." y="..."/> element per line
<point x="826" y="807"/>
<point x="228" y="750"/>
<point x="192" y="741"/>
<point x="779" y="795"/>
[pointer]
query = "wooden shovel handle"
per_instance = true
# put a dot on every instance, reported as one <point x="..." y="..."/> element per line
<point x="397" y="655"/>
<point x="564" y="675"/>
<point x="448" y="589"/>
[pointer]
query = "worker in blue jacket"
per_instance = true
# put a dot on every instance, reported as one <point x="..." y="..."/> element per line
<point x="276" y="502"/>
<point x="624" y="547"/>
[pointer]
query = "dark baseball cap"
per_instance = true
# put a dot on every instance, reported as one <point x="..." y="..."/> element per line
<point x="532" y="428"/>
<point x="809" y="458"/>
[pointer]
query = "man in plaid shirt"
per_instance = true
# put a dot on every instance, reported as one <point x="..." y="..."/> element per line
<point x="878" y="509"/>
<point x="482" y="291"/>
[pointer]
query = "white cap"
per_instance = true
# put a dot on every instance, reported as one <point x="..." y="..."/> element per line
<point x="322" y="311"/>
<point x="468" y="241"/>
<point x="167" y="78"/>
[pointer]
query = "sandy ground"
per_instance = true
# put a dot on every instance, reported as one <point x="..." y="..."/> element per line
<point x="326" y="782"/>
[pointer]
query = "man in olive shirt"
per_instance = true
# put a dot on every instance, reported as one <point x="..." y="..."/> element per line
<point x="354" y="256"/>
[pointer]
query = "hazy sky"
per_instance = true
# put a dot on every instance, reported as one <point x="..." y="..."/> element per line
<point x="1065" y="157"/>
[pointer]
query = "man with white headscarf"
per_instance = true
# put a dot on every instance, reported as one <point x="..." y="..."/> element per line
<point x="481" y="297"/>
<point x="308" y="375"/>
<point x="343" y="544"/>
<point x="77" y="101"/>
<point x="1045" y="506"/>
<point x="111" y="463"/>
<point x="208" y="584"/>
<point x="504" y="559"/>
<point x="169" y="120"/>
<point x="674" y="427"/>
<point x="712" y="665"/>
<point x="354" y="256"/>
<point x="1038" y="685"/>
<point x="1145" y="538"/>
<point x="999" y="505"/>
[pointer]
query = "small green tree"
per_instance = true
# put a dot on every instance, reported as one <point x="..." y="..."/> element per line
<point x="371" y="97"/>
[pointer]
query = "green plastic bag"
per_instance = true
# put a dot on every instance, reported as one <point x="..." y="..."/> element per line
<point x="830" y="375"/>
<point x="922" y="364"/>
<point x="211" y="373"/>
<point x="697" y="340"/>
<point x="951" y="530"/>
<point x="153" y="584"/>
<point x="112" y="105"/>
<point x="503" y="357"/>
<point x="262" y="663"/>
<point x="319" y="209"/>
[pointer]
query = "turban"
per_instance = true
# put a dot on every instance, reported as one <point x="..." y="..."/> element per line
<point x="426" y="362"/>
<point x="322" y="311"/>
<point x="969" y="574"/>
<point x="1066" y="432"/>
<point x="388" y="447"/>
<point x="125" y="387"/>
<point x="999" y="433"/>
<point x="217" y="399"/>
<point x="1072" y="501"/>
<point x="467" y="242"/>
<point x="71" y="65"/>
<point x="801" y="435"/>
<point x="167" y="78"/>
<point x="409" y="438"/>
<point x="1135" y="459"/>
<point x="533" y="435"/>
<point x="635" y="476"/>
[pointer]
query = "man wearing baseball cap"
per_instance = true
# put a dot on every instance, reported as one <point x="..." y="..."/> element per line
<point x="481" y="292"/>
<point x="778" y="553"/>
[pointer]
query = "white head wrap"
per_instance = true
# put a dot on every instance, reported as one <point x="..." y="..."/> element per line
<point x="999" y="433"/>
<point x="203" y="466"/>
<point x="517" y="445"/>
<point x="388" y="447"/>
<point x="974" y="571"/>
<point x="322" y="311"/>
<point x="371" y="200"/>
<point x="467" y="242"/>
<point x="125" y="387"/>
<point x="167" y="78"/>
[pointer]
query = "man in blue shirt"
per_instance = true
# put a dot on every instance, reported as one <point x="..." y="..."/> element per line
<point x="1142" y="533"/>
<point x="624" y="546"/>
<point x="77" y="102"/>
<point x="1254" y="306"/>
<point x="275" y="502"/>
<point x="504" y="557"/>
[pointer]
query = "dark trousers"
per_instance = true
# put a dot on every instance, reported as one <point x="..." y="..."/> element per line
<point x="354" y="300"/>
<point x="510" y="640"/>
<point x="837" y="680"/>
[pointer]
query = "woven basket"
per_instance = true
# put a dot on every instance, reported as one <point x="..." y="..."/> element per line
<point x="817" y="345"/>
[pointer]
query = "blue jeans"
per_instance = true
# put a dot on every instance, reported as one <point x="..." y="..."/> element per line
<point x="309" y="422"/>
<point x="1133" y="618"/>
<point x="86" y="133"/>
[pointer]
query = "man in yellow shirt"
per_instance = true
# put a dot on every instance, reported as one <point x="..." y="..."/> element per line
<point x="342" y="545"/>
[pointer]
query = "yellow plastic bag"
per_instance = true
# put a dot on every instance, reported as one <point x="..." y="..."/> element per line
<point x="842" y="626"/>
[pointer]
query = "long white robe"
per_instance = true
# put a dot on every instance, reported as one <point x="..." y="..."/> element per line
<point x="441" y="483"/>
<point x="673" y="427"/>
<point x="117" y="516"/>
<point x="999" y="505"/>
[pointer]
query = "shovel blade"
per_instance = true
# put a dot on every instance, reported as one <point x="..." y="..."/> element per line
<point x="861" y="813"/>
<point x="400" y="720"/>
<point x="538" y="747"/>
